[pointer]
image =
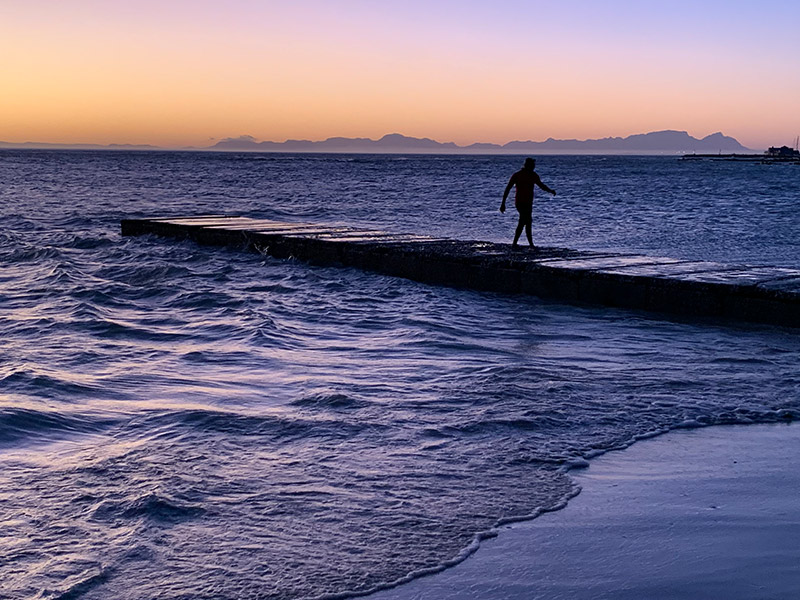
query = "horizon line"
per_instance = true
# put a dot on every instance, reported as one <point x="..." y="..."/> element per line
<point x="432" y="146"/>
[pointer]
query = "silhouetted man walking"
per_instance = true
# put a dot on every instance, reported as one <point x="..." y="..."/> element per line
<point x="524" y="180"/>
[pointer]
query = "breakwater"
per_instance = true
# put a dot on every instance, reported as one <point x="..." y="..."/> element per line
<point x="702" y="288"/>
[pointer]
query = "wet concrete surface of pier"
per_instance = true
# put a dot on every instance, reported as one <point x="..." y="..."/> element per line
<point x="730" y="291"/>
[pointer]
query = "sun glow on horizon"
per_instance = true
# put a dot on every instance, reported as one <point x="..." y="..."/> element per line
<point x="185" y="73"/>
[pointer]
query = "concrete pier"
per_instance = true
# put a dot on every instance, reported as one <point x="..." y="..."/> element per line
<point x="667" y="285"/>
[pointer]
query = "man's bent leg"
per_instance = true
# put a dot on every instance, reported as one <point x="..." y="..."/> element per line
<point x="518" y="232"/>
<point x="528" y="219"/>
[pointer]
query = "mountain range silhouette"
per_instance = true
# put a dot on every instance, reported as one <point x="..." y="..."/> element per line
<point x="655" y="142"/>
<point x="667" y="141"/>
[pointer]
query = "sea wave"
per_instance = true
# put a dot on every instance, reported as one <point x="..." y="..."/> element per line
<point x="21" y="426"/>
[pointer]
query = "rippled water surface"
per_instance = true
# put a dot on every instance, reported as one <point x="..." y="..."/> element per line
<point x="187" y="422"/>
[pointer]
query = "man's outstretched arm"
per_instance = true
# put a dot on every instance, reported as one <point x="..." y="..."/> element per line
<point x="545" y="187"/>
<point x="505" y="194"/>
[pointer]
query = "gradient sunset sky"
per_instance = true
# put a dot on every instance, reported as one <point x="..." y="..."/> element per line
<point x="190" y="72"/>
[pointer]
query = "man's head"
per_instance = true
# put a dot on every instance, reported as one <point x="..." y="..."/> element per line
<point x="530" y="163"/>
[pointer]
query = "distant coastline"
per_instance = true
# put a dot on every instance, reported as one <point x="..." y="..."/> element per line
<point x="668" y="142"/>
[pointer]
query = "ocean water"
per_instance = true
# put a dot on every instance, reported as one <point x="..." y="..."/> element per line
<point x="179" y="421"/>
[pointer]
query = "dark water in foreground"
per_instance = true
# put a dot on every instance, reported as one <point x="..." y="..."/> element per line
<point x="188" y="422"/>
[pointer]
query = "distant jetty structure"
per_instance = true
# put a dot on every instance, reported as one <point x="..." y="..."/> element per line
<point x="665" y="285"/>
<point x="774" y="154"/>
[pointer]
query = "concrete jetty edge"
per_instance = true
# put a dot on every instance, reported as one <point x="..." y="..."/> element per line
<point x="663" y="285"/>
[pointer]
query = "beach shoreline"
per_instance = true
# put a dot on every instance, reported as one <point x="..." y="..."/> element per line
<point x="700" y="513"/>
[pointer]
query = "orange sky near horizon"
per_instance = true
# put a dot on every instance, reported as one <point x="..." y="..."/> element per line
<point x="189" y="73"/>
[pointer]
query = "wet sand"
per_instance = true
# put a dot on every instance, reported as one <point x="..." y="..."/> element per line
<point x="703" y="513"/>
